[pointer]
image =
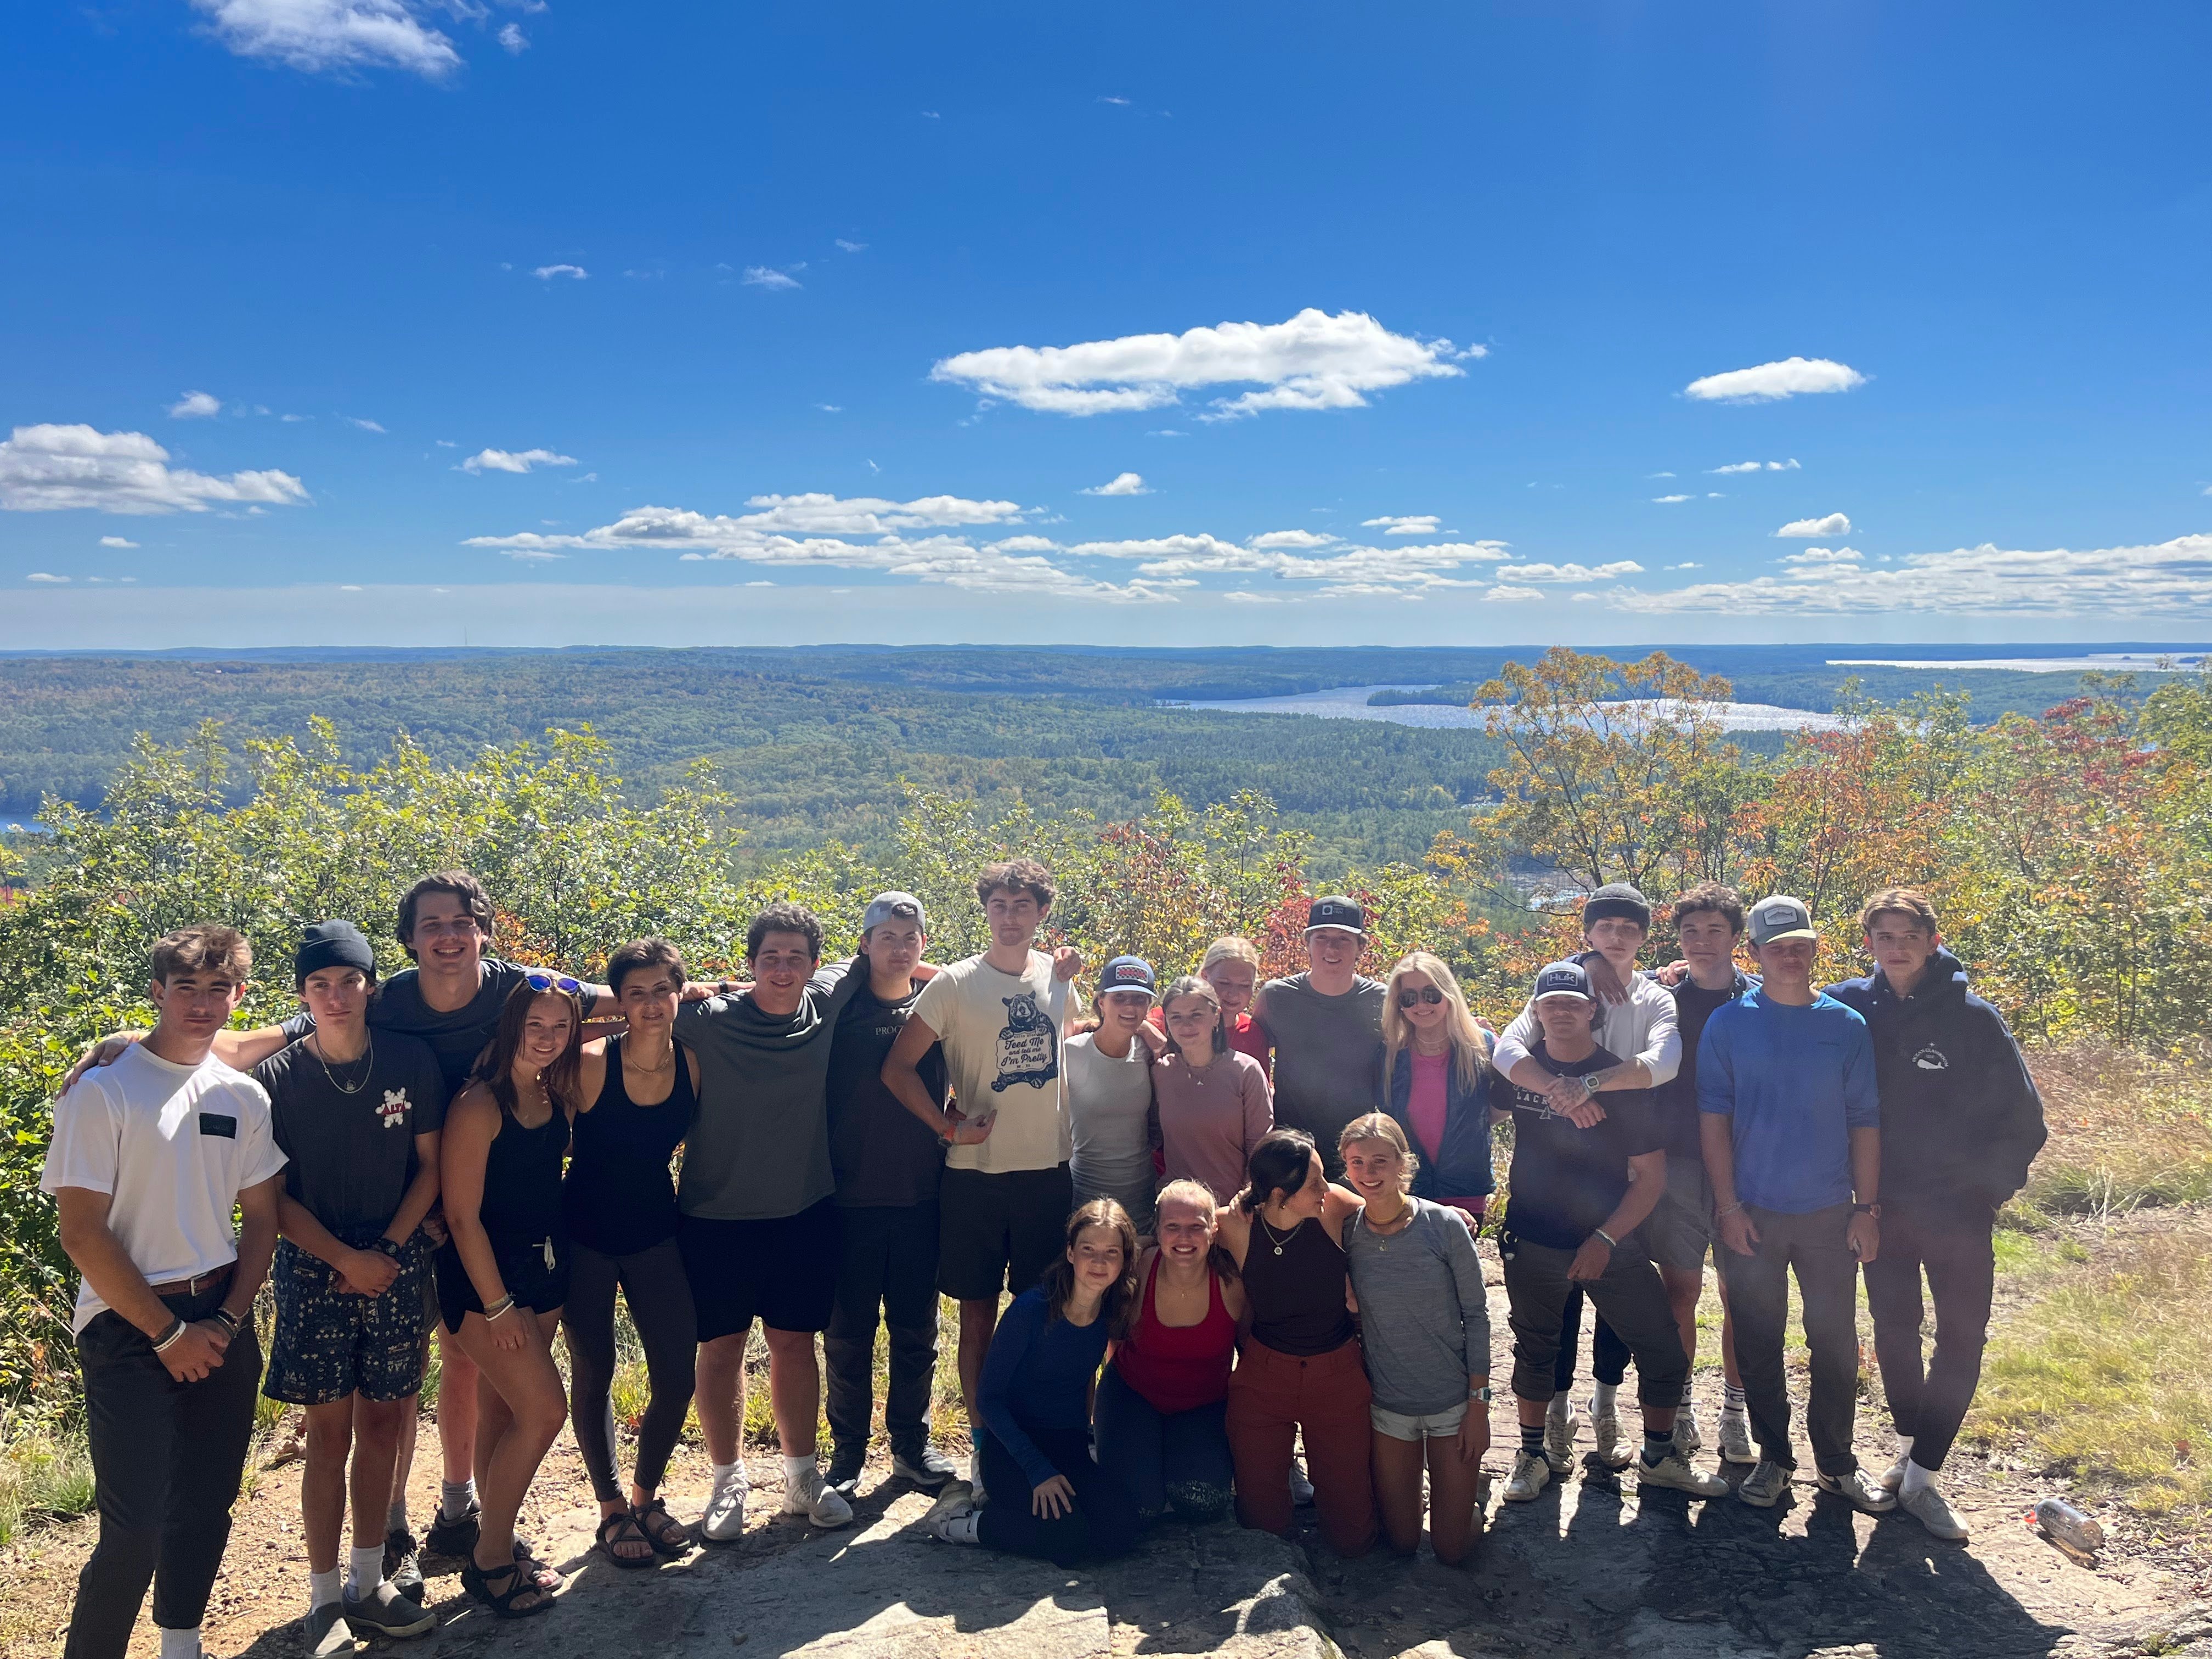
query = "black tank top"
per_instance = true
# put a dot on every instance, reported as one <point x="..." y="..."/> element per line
<point x="1296" y="1282"/>
<point x="521" y="1202"/>
<point x="619" y="1198"/>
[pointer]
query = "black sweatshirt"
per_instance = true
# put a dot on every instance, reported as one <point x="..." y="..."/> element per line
<point x="1960" y="1117"/>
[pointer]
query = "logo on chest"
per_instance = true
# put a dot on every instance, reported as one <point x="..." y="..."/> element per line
<point x="393" y="1114"/>
<point x="1027" y="1050"/>
<point x="1931" y="1059"/>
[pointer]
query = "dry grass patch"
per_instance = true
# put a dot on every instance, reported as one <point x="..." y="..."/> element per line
<point x="2128" y="1130"/>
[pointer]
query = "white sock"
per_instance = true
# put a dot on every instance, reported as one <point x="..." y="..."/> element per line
<point x="1562" y="1405"/>
<point x="364" y="1571"/>
<point x="185" y="1643"/>
<point x="798" y="1468"/>
<point x="1914" y="1479"/>
<point x="323" y="1588"/>
<point x="1733" y="1401"/>
<point x="454" y="1497"/>
<point x="1689" y="1396"/>
<point x="395" y="1518"/>
<point x="1904" y="1446"/>
<point x="725" y="1474"/>
<point x="1604" y="1402"/>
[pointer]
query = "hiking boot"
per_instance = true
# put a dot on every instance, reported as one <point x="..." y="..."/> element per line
<point x="1673" y="1471"/>
<point x="1860" y="1490"/>
<point x="1560" y="1430"/>
<point x="1765" y="1486"/>
<point x="403" y="1567"/>
<point x="1736" y="1438"/>
<point x="810" y="1495"/>
<point x="1928" y="1507"/>
<point x="723" y="1520"/>
<point x="456" y="1538"/>
<point x="1532" y="1473"/>
<point x="844" y="1465"/>
<point x="1611" y="1449"/>
<point x="1689" y="1438"/>
<point x="385" y="1612"/>
<point x="328" y="1633"/>
<point x="924" y="1466"/>
<point x="1893" y="1478"/>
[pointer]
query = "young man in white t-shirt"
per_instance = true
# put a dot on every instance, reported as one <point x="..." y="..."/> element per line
<point x="1007" y="1190"/>
<point x="148" y="1159"/>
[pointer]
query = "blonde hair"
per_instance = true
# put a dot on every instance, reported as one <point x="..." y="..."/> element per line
<point x="1188" y="1191"/>
<point x="1231" y="947"/>
<point x="1470" y="1054"/>
<point x="1381" y="1126"/>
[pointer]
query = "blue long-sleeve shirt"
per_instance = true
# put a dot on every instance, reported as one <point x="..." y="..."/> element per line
<point x="1038" y="1376"/>
<point x="1794" y="1081"/>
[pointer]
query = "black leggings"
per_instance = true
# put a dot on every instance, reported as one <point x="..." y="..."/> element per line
<point x="660" y="1299"/>
<point x="1102" y="1522"/>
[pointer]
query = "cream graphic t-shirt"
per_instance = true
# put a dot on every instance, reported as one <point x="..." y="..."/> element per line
<point x="1001" y="1037"/>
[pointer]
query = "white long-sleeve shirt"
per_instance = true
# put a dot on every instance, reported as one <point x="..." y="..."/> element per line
<point x="1641" y="1029"/>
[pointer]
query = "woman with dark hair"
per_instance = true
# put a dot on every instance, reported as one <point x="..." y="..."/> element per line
<point x="1212" y="1101"/>
<point x="1162" y="1401"/>
<point x="1300" y="1372"/>
<point x="503" y="1273"/>
<point x="1035" y="1399"/>
<point x="634" y="1103"/>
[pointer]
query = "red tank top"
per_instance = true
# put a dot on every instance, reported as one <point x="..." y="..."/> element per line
<point x="1179" y="1368"/>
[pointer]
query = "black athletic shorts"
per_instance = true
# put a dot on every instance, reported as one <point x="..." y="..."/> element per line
<point x="529" y="1279"/>
<point x="782" y="1272"/>
<point x="999" y="1232"/>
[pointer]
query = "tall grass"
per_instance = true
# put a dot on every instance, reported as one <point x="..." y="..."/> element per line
<point x="2128" y="1131"/>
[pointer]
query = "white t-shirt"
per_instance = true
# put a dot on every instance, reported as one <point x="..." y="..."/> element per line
<point x="173" y="1147"/>
<point x="1002" y="1035"/>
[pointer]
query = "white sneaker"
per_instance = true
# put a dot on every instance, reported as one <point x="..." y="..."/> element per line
<point x="1611" y="1449"/>
<point x="1860" y="1490"/>
<point x="1532" y="1473"/>
<point x="1893" y="1478"/>
<point x="1765" y="1486"/>
<point x="1689" y="1438"/>
<point x="723" y="1521"/>
<point x="812" y="1495"/>
<point x="1927" y="1508"/>
<point x="1674" y="1470"/>
<point x="1736" y="1438"/>
<point x="1302" y="1489"/>
<point x="955" y="1503"/>
<point x="1559" y="1433"/>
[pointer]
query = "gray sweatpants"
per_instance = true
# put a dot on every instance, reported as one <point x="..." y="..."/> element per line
<point x="1629" y="1297"/>
<point x="1815" y="1246"/>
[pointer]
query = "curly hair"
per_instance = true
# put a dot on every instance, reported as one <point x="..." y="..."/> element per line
<point x="784" y="917"/>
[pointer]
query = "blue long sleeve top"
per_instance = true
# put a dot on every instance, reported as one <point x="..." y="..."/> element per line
<point x="1038" y="1376"/>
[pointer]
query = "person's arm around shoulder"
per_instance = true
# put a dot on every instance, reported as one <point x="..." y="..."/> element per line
<point x="239" y="1050"/>
<point x="1510" y="1050"/>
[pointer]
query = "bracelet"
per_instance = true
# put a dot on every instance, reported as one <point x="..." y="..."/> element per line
<point x="168" y="1338"/>
<point x="1611" y="1242"/>
<point x="503" y="1305"/>
<point x="1731" y="1210"/>
<point x="227" y="1320"/>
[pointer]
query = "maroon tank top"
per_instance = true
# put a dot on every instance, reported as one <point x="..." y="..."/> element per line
<point x="1179" y="1368"/>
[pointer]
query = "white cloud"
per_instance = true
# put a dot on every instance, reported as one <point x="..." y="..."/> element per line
<point x="1169" y="432"/>
<point x="506" y="460"/>
<point x="931" y="115"/>
<point x="195" y="406"/>
<point x="831" y="409"/>
<point x="1769" y="381"/>
<point x="332" y="34"/>
<point x="850" y="247"/>
<point x="1658" y="474"/>
<point x="1286" y="556"/>
<point x="349" y="587"/>
<point x="117" y="541"/>
<point x="547" y="273"/>
<point x="767" y="277"/>
<point x="1025" y="544"/>
<point x="290" y="420"/>
<point x="1515" y="595"/>
<point x="52" y="469"/>
<point x="1835" y="524"/>
<point x="1292" y="540"/>
<point x="1106" y="98"/>
<point x="1568" y="573"/>
<point x="1668" y="501"/>
<point x="514" y="40"/>
<point x="366" y="426"/>
<point x="1816" y="558"/>
<point x="1403" y="524"/>
<point x="1123" y="484"/>
<point x="1312" y="361"/>
<point x="1686" y="564"/>
<point x="1756" y="466"/>
<point x="45" y="576"/>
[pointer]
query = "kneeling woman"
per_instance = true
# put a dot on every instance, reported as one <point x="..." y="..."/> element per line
<point x="1426" y="1328"/>
<point x="503" y="1275"/>
<point x="1300" y="1372"/>
<point x="1162" y="1402"/>
<point x="1035" y="1401"/>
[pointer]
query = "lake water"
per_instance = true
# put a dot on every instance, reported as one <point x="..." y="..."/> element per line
<point x="1349" y="703"/>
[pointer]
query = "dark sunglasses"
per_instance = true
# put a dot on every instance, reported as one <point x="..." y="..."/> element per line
<point x="1427" y="994"/>
<point x="553" y="982"/>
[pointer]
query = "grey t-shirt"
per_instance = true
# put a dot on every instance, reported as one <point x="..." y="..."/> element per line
<point x="1109" y="1112"/>
<point x="351" y="1157"/>
<point x="1423" y="1319"/>
<point x="1329" y="1055"/>
<point x="759" y="1144"/>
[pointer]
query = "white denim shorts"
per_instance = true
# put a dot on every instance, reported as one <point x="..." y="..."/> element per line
<point x="1429" y="1426"/>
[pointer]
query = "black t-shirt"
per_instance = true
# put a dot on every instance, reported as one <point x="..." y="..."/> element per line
<point x="883" y="1153"/>
<point x="1678" y="1097"/>
<point x="457" y="1037"/>
<point x="1566" y="1180"/>
<point x="351" y="1157"/>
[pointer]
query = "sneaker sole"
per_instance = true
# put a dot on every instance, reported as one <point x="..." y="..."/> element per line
<point x="1658" y="1484"/>
<point x="1890" y="1508"/>
<point x="362" y="1623"/>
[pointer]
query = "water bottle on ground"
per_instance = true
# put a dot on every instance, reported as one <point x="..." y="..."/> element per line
<point x="2068" y="1525"/>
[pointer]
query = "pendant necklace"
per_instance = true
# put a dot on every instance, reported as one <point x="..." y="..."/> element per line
<point x="1284" y="1239"/>
<point x="368" y="1065"/>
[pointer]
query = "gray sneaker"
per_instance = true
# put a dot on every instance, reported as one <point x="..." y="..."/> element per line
<point x="1611" y="1449"/>
<point x="1860" y="1490"/>
<point x="1765" y="1486"/>
<point x="1689" y="1435"/>
<point x="1736" y="1438"/>
<point x="328" y="1632"/>
<point x="1928" y="1507"/>
<point x="1673" y="1471"/>
<point x="1560" y="1430"/>
<point x="1531" y="1474"/>
<point x="385" y="1612"/>
<point x="925" y="1466"/>
<point x="403" y="1567"/>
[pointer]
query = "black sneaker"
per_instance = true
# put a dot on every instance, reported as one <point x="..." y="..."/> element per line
<point x="328" y="1633"/>
<point x="924" y="1466"/>
<point x="402" y="1570"/>
<point x="456" y="1538"/>
<point x="385" y="1611"/>
<point x="845" y="1465"/>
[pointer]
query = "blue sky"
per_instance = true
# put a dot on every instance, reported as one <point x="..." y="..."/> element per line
<point x="496" y="312"/>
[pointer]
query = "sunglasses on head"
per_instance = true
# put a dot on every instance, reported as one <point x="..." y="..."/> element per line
<point x="553" y="982"/>
<point x="1427" y="994"/>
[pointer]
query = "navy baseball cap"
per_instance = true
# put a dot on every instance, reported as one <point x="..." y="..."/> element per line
<point x="1780" y="917"/>
<point x="1336" y="911"/>
<point x="1563" y="979"/>
<point x="1127" y="973"/>
<point x="894" y="906"/>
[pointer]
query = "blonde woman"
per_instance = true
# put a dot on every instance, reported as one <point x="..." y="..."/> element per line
<point x="1231" y="967"/>
<point x="1437" y="1082"/>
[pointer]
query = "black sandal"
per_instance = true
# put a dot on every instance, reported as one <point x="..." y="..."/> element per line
<point x="610" y="1531"/>
<point x="671" y="1539"/>
<point x="546" y="1578"/>
<point x="478" y="1583"/>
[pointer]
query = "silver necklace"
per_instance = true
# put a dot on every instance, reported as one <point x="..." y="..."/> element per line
<point x="1278" y="1240"/>
<point x="368" y="1065"/>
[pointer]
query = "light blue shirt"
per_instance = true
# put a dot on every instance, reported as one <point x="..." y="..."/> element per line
<point x="1794" y="1081"/>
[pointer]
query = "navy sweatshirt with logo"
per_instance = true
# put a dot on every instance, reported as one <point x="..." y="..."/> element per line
<point x="1960" y="1117"/>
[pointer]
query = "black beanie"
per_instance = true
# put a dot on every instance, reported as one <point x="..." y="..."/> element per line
<point x="332" y="944"/>
<point x="1618" y="898"/>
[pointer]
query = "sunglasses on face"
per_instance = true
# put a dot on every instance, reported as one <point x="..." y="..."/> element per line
<point x="1427" y="994"/>
<point x="553" y="982"/>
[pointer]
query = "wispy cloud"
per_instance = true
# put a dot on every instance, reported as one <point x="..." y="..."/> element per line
<point x="511" y="37"/>
<point x="852" y="247"/>
<point x="1104" y="98"/>
<point x="1312" y="361"/>
<point x="547" y="273"/>
<point x="1835" y="524"/>
<point x="45" y="576"/>
<point x="53" y="469"/>
<point x="1657" y="475"/>
<point x="333" y="35"/>
<point x="117" y="541"/>
<point x="516" y="460"/>
<point x="1789" y="378"/>
<point x="767" y="277"/>
<point x="1569" y="572"/>
<point x="1668" y="501"/>
<point x="365" y="425"/>
<point x="1403" y="524"/>
<point x="196" y="406"/>
<point x="1757" y="466"/>
<point x="1122" y="483"/>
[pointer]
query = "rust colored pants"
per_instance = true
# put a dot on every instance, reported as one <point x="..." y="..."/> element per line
<point x="1272" y="1398"/>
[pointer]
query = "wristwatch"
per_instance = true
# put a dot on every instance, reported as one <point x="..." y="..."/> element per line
<point x="1873" y="1210"/>
<point x="1588" y="1080"/>
<point x="1484" y="1394"/>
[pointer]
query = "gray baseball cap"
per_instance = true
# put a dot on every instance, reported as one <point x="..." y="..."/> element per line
<point x="1780" y="917"/>
<point x="894" y="906"/>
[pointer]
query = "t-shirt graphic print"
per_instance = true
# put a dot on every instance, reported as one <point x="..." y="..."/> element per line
<point x="1029" y="1048"/>
<point x="1000" y="1035"/>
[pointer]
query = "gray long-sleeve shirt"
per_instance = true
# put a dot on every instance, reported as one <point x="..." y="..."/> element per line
<point x="1423" y="1318"/>
<point x="1643" y="1027"/>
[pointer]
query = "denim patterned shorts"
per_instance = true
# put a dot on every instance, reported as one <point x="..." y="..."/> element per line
<point x="330" y="1343"/>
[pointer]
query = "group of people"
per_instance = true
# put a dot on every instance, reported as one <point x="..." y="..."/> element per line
<point x="1238" y="1222"/>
